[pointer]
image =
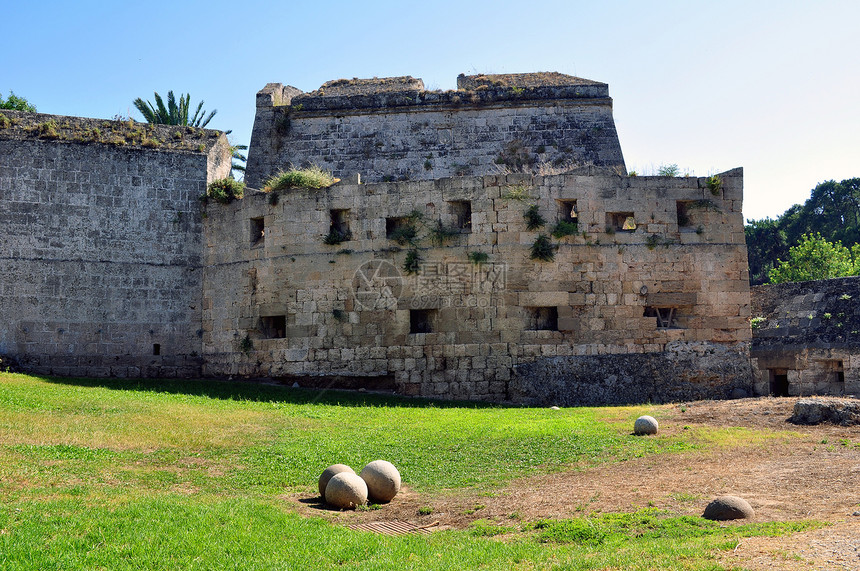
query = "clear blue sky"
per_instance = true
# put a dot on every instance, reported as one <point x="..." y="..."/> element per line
<point x="772" y="86"/>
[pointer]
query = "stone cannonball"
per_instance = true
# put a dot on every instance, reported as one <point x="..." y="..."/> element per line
<point x="728" y="507"/>
<point x="329" y="472"/>
<point x="383" y="480"/>
<point x="346" y="491"/>
<point x="645" y="425"/>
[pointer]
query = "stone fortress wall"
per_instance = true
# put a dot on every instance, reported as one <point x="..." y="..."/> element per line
<point x="102" y="245"/>
<point x="806" y="337"/>
<point x="112" y="267"/>
<point x="393" y="129"/>
<point x="653" y="285"/>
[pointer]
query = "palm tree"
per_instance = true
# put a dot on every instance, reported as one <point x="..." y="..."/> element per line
<point x="180" y="114"/>
<point x="174" y="113"/>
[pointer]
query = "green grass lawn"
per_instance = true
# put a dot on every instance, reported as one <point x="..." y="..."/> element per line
<point x="111" y="474"/>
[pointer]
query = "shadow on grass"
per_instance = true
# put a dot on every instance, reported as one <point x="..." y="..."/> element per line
<point x="261" y="391"/>
<point x="317" y="503"/>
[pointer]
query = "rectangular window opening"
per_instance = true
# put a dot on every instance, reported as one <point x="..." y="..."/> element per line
<point x="567" y="211"/>
<point x="839" y="370"/>
<point x="667" y="317"/>
<point x="258" y="231"/>
<point x="156" y="348"/>
<point x="621" y="221"/>
<point x="421" y="320"/>
<point x="339" y="226"/>
<point x="541" y="319"/>
<point x="683" y="211"/>
<point x="393" y="225"/>
<point x="778" y="382"/>
<point x="461" y="211"/>
<point x="273" y="326"/>
<point x="402" y="229"/>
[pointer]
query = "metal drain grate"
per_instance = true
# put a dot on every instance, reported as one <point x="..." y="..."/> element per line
<point x="395" y="527"/>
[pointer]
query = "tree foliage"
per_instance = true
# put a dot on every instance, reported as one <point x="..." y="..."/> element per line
<point x="179" y="113"/>
<point x="174" y="113"/>
<point x="815" y="258"/>
<point x="16" y="103"/>
<point x="832" y="210"/>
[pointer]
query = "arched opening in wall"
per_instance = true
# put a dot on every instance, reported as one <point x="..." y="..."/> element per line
<point x="778" y="382"/>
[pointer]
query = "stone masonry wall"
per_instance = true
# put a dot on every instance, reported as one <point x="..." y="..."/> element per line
<point x="393" y="129"/>
<point x="808" y="333"/>
<point x="102" y="244"/>
<point x="630" y="282"/>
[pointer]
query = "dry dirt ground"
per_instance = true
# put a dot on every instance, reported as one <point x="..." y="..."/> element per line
<point x="802" y="472"/>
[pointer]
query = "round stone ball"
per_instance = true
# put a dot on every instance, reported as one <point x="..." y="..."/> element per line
<point x="329" y="472"/>
<point x="645" y="425"/>
<point x="383" y="480"/>
<point x="346" y="491"/>
<point x="728" y="507"/>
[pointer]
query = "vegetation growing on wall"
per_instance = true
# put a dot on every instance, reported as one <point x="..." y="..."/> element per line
<point x="126" y="133"/>
<point x="311" y="177"/>
<point x="336" y="236"/>
<point x="715" y="184"/>
<point x="533" y="218"/>
<point x="542" y="249"/>
<point x="439" y="233"/>
<point x="412" y="263"/>
<point x="478" y="257"/>
<point x="564" y="228"/>
<point x="225" y="190"/>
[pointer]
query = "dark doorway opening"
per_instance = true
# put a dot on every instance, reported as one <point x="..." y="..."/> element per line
<point x="779" y="383"/>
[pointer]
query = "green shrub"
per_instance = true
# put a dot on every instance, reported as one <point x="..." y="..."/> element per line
<point x="715" y="184"/>
<point x="405" y="234"/>
<point x="543" y="249"/>
<point x="225" y="190"/>
<point x="439" y="233"/>
<point x="335" y="237"/>
<point x="564" y="228"/>
<point x="668" y="170"/>
<point x="412" y="263"/>
<point x="340" y="315"/>
<point x="478" y="257"/>
<point x="47" y="130"/>
<point x="311" y="177"/>
<point x="533" y="218"/>
<point x="517" y="192"/>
